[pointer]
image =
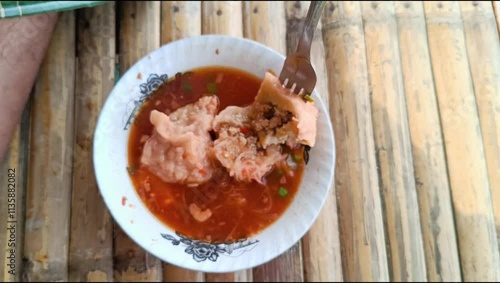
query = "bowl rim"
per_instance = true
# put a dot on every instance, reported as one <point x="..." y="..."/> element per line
<point x="120" y="221"/>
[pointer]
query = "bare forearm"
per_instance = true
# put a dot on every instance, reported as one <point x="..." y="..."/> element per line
<point x="23" y="43"/>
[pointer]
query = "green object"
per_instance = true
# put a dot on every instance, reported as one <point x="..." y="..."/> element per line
<point x="187" y="87"/>
<point x="131" y="170"/>
<point x="296" y="157"/>
<point x="117" y="73"/>
<point x="282" y="192"/>
<point x="308" y="98"/>
<point x="12" y="9"/>
<point x="211" y="88"/>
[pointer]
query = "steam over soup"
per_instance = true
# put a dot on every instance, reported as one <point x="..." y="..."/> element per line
<point x="218" y="155"/>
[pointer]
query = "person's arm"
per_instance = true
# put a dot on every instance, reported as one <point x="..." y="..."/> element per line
<point x="23" y="43"/>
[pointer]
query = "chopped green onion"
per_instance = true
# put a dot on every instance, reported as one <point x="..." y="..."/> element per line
<point x="211" y="88"/>
<point x="131" y="170"/>
<point x="296" y="157"/>
<point x="308" y="98"/>
<point x="187" y="87"/>
<point x="282" y="192"/>
<point x="280" y="172"/>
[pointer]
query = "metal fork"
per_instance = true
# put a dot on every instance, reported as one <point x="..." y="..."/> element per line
<point x="298" y="73"/>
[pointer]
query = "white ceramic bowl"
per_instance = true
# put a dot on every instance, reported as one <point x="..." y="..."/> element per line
<point x="110" y="159"/>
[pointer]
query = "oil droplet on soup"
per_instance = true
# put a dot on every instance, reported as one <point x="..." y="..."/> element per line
<point x="238" y="210"/>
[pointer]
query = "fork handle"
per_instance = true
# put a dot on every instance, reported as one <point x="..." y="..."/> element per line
<point x="312" y="19"/>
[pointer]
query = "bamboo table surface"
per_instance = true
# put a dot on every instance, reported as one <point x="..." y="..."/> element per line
<point x="413" y="90"/>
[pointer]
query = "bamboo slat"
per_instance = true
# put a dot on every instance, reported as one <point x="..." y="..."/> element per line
<point x="139" y="31"/>
<point x="180" y="19"/>
<point x="356" y="181"/>
<point x="431" y="176"/>
<point x="288" y="267"/>
<point x="91" y="242"/>
<point x="265" y="22"/>
<point x="240" y="276"/>
<point x="12" y="202"/>
<point x="172" y="273"/>
<point x="221" y="17"/>
<point x="139" y="34"/>
<point x="483" y="49"/>
<point x="392" y="143"/>
<point x="321" y="246"/>
<point x="463" y="143"/>
<point x="50" y="169"/>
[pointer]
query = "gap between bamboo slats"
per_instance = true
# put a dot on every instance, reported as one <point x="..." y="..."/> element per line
<point x="180" y="19"/>
<point x="431" y="176"/>
<point x="483" y="49"/>
<point x="139" y="34"/>
<point x="265" y="22"/>
<point x="12" y="203"/>
<point x="91" y="238"/>
<point x="467" y="170"/>
<point x="221" y="17"/>
<point x="356" y="182"/>
<point x="392" y="144"/>
<point x="48" y="196"/>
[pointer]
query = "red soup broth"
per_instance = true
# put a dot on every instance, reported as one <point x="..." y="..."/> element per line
<point x="239" y="210"/>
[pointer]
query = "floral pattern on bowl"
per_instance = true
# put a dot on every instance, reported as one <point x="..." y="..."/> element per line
<point x="202" y="251"/>
<point x="153" y="82"/>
